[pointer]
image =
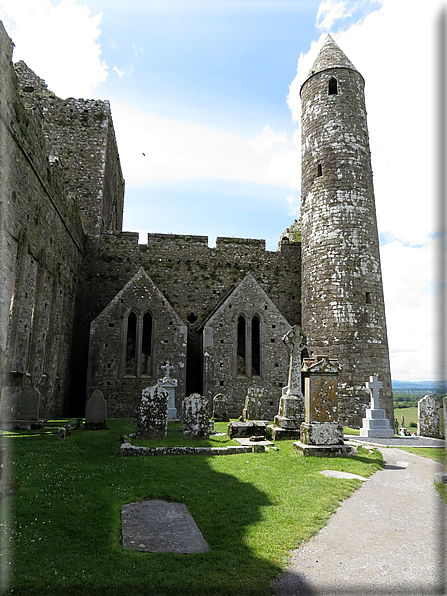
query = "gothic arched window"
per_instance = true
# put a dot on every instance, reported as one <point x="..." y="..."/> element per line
<point x="131" y="341"/>
<point x="255" y="346"/>
<point x="241" y="345"/>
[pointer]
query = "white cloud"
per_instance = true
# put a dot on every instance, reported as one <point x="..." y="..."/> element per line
<point x="177" y="150"/>
<point x="329" y="12"/>
<point x="66" y="52"/>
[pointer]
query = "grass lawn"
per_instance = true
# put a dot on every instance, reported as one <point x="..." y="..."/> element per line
<point x="63" y="534"/>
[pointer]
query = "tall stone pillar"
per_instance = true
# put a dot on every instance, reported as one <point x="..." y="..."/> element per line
<point x="343" y="311"/>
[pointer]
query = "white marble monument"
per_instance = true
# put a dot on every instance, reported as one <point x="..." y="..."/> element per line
<point x="375" y="424"/>
<point x="170" y="385"/>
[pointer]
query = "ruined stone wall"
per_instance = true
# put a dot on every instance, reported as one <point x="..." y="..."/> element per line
<point x="80" y="132"/>
<point x="193" y="277"/>
<point x="41" y="246"/>
<point x="342" y="296"/>
<point x="225" y="371"/>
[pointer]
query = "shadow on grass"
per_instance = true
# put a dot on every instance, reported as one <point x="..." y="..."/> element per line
<point x="66" y="529"/>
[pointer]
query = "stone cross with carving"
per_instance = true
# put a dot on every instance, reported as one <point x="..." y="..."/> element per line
<point x="168" y="368"/>
<point x="296" y="342"/>
<point x="374" y="385"/>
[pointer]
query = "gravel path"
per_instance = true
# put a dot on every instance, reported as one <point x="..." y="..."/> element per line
<point x="387" y="539"/>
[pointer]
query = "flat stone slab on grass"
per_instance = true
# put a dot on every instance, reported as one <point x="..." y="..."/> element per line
<point x="161" y="527"/>
<point x="337" y="474"/>
<point x="245" y="442"/>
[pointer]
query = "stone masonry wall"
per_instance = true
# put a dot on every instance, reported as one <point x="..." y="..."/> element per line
<point x="193" y="277"/>
<point x="41" y="253"/>
<point x="80" y="132"/>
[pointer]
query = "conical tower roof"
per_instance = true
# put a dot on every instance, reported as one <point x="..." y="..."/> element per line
<point x="330" y="56"/>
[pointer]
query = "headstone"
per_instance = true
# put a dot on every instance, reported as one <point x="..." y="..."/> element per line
<point x="68" y="430"/>
<point x="291" y="406"/>
<point x="428" y="417"/>
<point x="220" y="408"/>
<point x="96" y="411"/>
<point x="170" y="386"/>
<point x="61" y="434"/>
<point x="254" y="404"/>
<point x="195" y="409"/>
<point x="321" y="433"/>
<point x="375" y="424"/>
<point x="29" y="404"/>
<point x="153" y="413"/>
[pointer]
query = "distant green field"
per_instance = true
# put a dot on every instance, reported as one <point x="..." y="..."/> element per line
<point x="411" y="415"/>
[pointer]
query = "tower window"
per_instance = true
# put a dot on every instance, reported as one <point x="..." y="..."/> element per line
<point x="319" y="170"/>
<point x="333" y="86"/>
<point x="368" y="298"/>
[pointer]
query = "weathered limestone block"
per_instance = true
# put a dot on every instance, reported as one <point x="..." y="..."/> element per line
<point x="428" y="417"/>
<point x="153" y="413"/>
<point x="254" y="404"/>
<point x="220" y="408"/>
<point x="96" y="411"/>
<point x="195" y="417"/>
<point x="237" y="429"/>
<point x="321" y="432"/>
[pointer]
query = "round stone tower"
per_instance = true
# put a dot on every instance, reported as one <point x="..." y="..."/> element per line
<point x="343" y="311"/>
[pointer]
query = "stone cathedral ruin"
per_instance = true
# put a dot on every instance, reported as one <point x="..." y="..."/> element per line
<point x="84" y="306"/>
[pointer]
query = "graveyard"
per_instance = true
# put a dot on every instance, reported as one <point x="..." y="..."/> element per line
<point x="250" y="508"/>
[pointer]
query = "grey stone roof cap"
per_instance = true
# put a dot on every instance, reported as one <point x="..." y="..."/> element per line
<point x="330" y="56"/>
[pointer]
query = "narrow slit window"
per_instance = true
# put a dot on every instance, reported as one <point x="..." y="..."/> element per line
<point x="131" y="340"/>
<point x="368" y="298"/>
<point x="333" y="90"/>
<point x="319" y="170"/>
<point x="255" y="346"/>
<point x="146" y="344"/>
<point x="241" y="329"/>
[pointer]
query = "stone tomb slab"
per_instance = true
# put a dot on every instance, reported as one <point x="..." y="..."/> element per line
<point x="161" y="527"/>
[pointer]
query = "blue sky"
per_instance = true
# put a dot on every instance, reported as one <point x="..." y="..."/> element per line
<point x="209" y="91"/>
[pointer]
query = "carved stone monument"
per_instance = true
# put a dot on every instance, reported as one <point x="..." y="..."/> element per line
<point x="28" y="407"/>
<point x="220" y="408"/>
<point x="254" y="404"/>
<point x="96" y="411"/>
<point x="153" y="413"/>
<point x="195" y="417"/>
<point x="291" y="406"/>
<point x="170" y="385"/>
<point x="321" y="433"/>
<point x="428" y="417"/>
<point x="375" y="424"/>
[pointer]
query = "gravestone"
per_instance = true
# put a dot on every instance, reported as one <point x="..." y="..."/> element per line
<point x="220" y="408"/>
<point x="291" y="406"/>
<point x="61" y="434"/>
<point x="29" y="404"/>
<point x="153" y="413"/>
<point x="375" y="424"/>
<point x="3" y="467"/>
<point x="195" y="409"/>
<point x="428" y="417"/>
<point x="170" y="385"/>
<point x="161" y="527"/>
<point x="254" y="404"/>
<point x="96" y="412"/>
<point x="321" y="433"/>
